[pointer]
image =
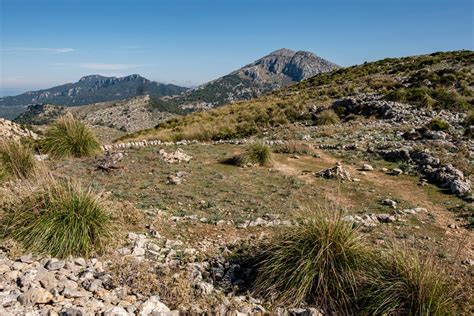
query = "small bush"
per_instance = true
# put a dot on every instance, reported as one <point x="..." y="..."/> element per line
<point x="59" y="219"/>
<point x="16" y="160"/>
<point x="293" y="148"/>
<point x="69" y="137"/>
<point x="257" y="153"/>
<point x="408" y="285"/>
<point x="316" y="263"/>
<point x="437" y="125"/>
<point x="327" y="117"/>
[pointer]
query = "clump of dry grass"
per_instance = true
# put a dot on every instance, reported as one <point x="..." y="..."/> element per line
<point x="58" y="218"/>
<point x="317" y="263"/>
<point x="16" y="160"/>
<point x="69" y="137"/>
<point x="138" y="277"/>
<point x="404" y="283"/>
<point x="325" y="262"/>
<point x="257" y="153"/>
<point x="327" y="117"/>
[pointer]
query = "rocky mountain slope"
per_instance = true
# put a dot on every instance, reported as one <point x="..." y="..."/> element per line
<point x="440" y="81"/>
<point x="278" y="69"/>
<point x="128" y="115"/>
<point x="89" y="89"/>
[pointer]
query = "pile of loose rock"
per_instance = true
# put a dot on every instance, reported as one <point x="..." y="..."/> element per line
<point x="445" y="176"/>
<point x="175" y="157"/>
<point x="11" y="130"/>
<point x="370" y="105"/>
<point x="336" y="172"/>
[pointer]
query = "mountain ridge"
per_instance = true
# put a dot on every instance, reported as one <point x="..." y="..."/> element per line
<point x="88" y="89"/>
<point x="273" y="71"/>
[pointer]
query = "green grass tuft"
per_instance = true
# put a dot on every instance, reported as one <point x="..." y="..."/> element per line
<point x="316" y="262"/>
<point x="408" y="285"/>
<point x="437" y="125"/>
<point x="59" y="219"/>
<point x="257" y="153"/>
<point x="16" y="160"/>
<point x="69" y="137"/>
<point x="327" y="117"/>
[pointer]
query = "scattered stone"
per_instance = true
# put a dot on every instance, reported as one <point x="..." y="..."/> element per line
<point x="336" y="172"/>
<point x="35" y="296"/>
<point x="390" y="203"/>
<point x="153" y="305"/>
<point x="367" y="167"/>
<point x="175" y="157"/>
<point x="54" y="264"/>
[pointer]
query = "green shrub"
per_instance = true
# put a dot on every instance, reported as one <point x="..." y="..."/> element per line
<point x="59" y="219"/>
<point x="327" y="117"/>
<point x="69" y="137"/>
<point x="407" y="285"/>
<point x="256" y="153"/>
<point x="437" y="125"/>
<point x="17" y="160"/>
<point x="316" y="263"/>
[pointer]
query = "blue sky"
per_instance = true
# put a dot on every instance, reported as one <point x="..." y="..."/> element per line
<point x="49" y="42"/>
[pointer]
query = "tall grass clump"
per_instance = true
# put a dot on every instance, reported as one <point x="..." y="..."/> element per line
<point x="327" y="117"/>
<point x="16" y="160"/>
<point x="316" y="262"/>
<point x="59" y="218"/>
<point x="405" y="284"/>
<point x="69" y="137"/>
<point x="257" y="153"/>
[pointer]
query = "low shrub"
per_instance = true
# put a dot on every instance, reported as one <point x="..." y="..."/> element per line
<point x="437" y="125"/>
<point x="327" y="117"/>
<point x="69" y="137"/>
<point x="257" y="153"/>
<point x="16" y="160"/>
<point x="59" y="218"/>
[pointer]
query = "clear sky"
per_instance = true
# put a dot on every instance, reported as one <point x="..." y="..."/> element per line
<point x="50" y="42"/>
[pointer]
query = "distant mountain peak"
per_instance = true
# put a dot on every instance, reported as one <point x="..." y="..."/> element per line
<point x="273" y="71"/>
<point x="92" y="78"/>
<point x="282" y="52"/>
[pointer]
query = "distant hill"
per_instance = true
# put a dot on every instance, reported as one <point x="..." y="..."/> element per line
<point x="128" y="115"/>
<point x="89" y="89"/>
<point x="278" y="69"/>
<point x="442" y="81"/>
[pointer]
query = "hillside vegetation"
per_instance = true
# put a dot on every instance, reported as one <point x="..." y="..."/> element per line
<point x="439" y="81"/>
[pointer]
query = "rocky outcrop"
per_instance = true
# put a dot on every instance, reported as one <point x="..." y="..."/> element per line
<point x="444" y="175"/>
<point x="10" y="130"/>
